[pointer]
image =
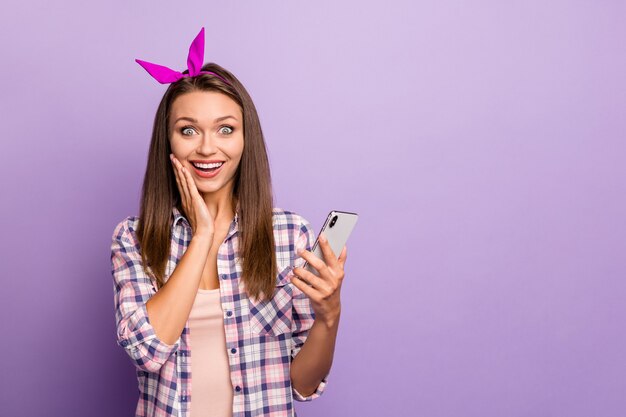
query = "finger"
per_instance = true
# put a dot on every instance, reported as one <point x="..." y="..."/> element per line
<point x="317" y="282"/>
<point x="180" y="187"/>
<point x="329" y="256"/>
<point x="343" y="256"/>
<point x="309" y="291"/>
<point x="193" y="190"/>
<point x="319" y="265"/>
<point x="196" y="198"/>
<point x="181" y="191"/>
<point x="183" y="183"/>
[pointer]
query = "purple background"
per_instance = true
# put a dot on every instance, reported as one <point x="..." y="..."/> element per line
<point x="482" y="144"/>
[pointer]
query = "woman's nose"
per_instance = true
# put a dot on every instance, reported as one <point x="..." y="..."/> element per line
<point x="207" y="146"/>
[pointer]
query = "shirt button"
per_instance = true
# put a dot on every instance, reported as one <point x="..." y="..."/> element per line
<point x="124" y="343"/>
<point x="223" y="276"/>
<point x="237" y="388"/>
<point x="233" y="350"/>
<point x="229" y="313"/>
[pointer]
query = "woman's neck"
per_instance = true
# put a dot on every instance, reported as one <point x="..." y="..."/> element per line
<point x="221" y="206"/>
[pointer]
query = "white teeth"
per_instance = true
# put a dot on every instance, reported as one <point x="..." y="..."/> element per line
<point x="212" y="165"/>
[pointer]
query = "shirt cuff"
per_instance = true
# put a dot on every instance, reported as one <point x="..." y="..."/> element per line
<point x="318" y="391"/>
<point x="141" y="336"/>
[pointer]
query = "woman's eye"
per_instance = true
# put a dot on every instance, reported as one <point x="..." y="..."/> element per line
<point x="227" y="127"/>
<point x="185" y="129"/>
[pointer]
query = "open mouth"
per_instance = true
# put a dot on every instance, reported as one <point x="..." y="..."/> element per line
<point x="212" y="167"/>
<point x="207" y="170"/>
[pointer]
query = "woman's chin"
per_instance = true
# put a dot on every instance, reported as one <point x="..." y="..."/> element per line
<point x="206" y="187"/>
<point x="211" y="186"/>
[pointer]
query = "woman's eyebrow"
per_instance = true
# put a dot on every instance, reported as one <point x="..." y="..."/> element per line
<point x="191" y="119"/>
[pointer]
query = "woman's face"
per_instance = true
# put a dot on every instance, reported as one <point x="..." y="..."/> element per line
<point x="207" y="127"/>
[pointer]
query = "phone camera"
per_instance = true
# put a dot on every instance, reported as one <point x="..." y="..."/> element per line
<point x="333" y="221"/>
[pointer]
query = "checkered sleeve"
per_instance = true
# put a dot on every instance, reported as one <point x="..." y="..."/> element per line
<point x="132" y="289"/>
<point x="303" y="313"/>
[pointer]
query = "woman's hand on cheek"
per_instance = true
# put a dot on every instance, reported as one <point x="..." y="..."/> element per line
<point x="324" y="291"/>
<point x="196" y="211"/>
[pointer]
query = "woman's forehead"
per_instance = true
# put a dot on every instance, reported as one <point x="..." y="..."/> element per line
<point x="204" y="105"/>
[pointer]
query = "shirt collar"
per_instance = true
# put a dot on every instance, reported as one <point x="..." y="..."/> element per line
<point x="179" y="216"/>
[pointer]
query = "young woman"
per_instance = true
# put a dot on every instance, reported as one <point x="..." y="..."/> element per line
<point x="205" y="303"/>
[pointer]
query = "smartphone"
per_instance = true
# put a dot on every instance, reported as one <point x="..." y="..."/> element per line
<point x="337" y="229"/>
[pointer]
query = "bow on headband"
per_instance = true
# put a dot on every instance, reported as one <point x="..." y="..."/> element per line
<point x="166" y="75"/>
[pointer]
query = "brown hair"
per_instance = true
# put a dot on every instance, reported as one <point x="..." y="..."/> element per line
<point x="252" y="188"/>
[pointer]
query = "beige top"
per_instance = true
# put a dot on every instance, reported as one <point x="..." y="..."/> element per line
<point x="211" y="387"/>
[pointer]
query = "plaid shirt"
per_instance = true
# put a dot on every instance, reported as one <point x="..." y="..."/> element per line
<point x="262" y="337"/>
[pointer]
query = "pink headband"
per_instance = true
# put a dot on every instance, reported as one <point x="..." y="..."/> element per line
<point x="165" y="75"/>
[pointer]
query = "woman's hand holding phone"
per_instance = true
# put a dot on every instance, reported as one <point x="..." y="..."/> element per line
<point x="195" y="208"/>
<point x="324" y="291"/>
